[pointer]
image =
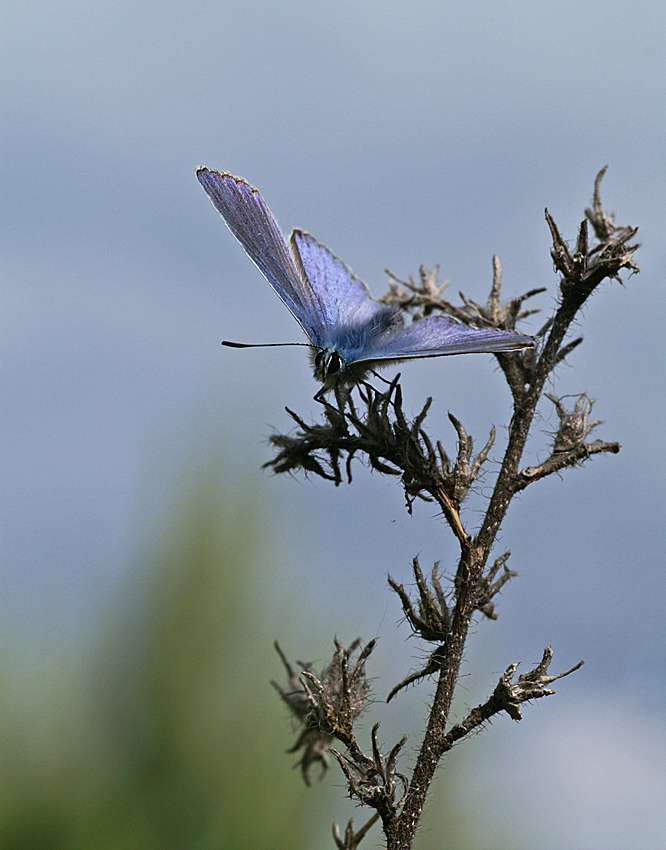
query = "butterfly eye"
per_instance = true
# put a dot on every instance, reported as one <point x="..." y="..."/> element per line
<point x="334" y="364"/>
<point x="318" y="356"/>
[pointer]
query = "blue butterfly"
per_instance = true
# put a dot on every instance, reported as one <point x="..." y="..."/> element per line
<point x="350" y="332"/>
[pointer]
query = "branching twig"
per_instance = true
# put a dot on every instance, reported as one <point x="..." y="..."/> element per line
<point x="379" y="430"/>
<point x="351" y="839"/>
<point x="508" y="695"/>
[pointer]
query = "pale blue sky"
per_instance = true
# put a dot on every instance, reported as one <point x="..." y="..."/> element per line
<point x="398" y="134"/>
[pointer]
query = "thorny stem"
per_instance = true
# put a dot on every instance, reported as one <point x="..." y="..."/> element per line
<point x="452" y="515"/>
<point x="576" y="285"/>
<point x="396" y="446"/>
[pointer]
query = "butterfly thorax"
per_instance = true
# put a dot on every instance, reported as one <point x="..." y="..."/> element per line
<point x="345" y="357"/>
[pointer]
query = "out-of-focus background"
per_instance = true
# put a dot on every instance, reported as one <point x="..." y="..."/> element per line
<point x="147" y="561"/>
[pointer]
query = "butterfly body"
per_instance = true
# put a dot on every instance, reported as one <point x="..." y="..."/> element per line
<point x="340" y="358"/>
<point x="349" y="332"/>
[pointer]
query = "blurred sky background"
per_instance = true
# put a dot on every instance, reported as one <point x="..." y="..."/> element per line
<point x="399" y="134"/>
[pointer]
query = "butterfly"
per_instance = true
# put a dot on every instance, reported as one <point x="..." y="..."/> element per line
<point x="350" y="333"/>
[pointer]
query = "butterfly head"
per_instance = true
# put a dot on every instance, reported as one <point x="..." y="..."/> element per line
<point x="328" y="365"/>
<point x="333" y="370"/>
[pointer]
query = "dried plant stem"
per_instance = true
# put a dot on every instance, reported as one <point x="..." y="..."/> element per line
<point x="327" y="705"/>
<point x="576" y="286"/>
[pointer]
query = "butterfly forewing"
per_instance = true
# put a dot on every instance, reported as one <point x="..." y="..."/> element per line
<point x="249" y="219"/>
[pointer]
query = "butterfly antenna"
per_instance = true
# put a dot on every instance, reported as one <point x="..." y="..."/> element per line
<point x="261" y="344"/>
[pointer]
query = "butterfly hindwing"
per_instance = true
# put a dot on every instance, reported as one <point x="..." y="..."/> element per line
<point x="437" y="336"/>
<point x="344" y="297"/>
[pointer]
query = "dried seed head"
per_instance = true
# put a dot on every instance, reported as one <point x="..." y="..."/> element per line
<point x="327" y="705"/>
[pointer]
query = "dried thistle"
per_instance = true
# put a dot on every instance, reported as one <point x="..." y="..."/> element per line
<point x="377" y="429"/>
<point x="327" y="705"/>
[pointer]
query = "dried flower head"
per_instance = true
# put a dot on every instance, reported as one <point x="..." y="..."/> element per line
<point x="327" y="705"/>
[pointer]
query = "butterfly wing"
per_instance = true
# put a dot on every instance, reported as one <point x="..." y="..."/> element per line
<point x="355" y="322"/>
<point x="332" y="305"/>
<point x="343" y="297"/>
<point x="247" y="216"/>
<point x="437" y="336"/>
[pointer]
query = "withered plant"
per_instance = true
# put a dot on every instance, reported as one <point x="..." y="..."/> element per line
<point x="372" y="424"/>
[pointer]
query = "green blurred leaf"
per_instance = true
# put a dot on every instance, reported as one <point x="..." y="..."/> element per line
<point x="166" y="734"/>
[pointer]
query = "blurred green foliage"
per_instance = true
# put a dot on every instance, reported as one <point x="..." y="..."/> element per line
<point x="165" y="733"/>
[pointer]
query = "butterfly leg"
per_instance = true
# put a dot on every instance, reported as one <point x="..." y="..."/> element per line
<point x="342" y="396"/>
<point x="340" y="399"/>
<point x="381" y="377"/>
<point x="375" y="391"/>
